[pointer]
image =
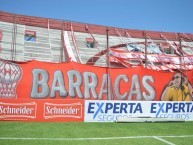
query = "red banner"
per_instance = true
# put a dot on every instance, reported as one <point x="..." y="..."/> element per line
<point x="40" y="91"/>
<point x="41" y="80"/>
<point x="168" y="61"/>
<point x="42" y="110"/>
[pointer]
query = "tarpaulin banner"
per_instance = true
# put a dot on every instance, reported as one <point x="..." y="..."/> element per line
<point x="42" y="80"/>
<point x="168" y="61"/>
<point x="110" y="111"/>
<point x="42" y="91"/>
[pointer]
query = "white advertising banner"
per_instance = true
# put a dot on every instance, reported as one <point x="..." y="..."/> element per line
<point x="110" y="111"/>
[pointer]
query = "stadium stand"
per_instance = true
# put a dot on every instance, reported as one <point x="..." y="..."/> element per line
<point x="26" y="38"/>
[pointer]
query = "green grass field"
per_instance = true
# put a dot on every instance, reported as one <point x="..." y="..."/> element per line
<point x="52" y="133"/>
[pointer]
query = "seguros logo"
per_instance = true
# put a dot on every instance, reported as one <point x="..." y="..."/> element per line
<point x="180" y="110"/>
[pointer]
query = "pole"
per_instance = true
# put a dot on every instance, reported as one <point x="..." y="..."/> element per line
<point x="108" y="65"/>
<point x="181" y="53"/>
<point x="108" y="70"/>
<point x="145" y="49"/>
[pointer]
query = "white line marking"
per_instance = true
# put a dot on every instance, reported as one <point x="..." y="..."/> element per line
<point x="163" y="140"/>
<point x="105" y="138"/>
<point x="178" y="136"/>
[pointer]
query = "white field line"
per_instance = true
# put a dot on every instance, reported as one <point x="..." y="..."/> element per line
<point x="102" y="138"/>
<point x="163" y="140"/>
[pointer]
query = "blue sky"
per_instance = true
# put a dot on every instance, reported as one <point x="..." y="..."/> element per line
<point x="155" y="15"/>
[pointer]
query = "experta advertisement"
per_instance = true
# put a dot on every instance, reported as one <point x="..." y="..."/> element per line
<point x="109" y="111"/>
